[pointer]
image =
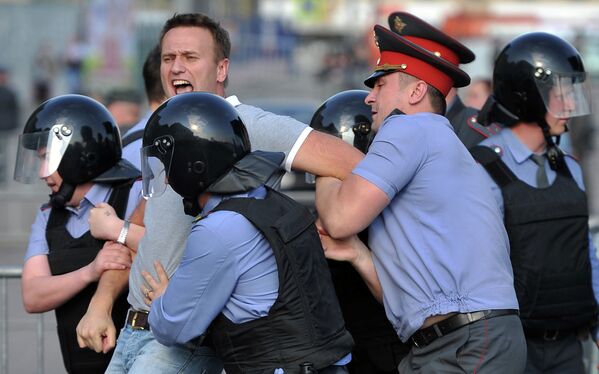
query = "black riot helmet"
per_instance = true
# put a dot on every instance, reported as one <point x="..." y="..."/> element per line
<point x="538" y="73"/>
<point x="76" y="136"/>
<point x="346" y="116"/>
<point x="191" y="141"/>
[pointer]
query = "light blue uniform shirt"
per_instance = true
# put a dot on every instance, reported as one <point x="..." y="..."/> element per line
<point x="228" y="266"/>
<point x="77" y="224"/>
<point x="131" y="152"/>
<point x="440" y="246"/>
<point x="517" y="158"/>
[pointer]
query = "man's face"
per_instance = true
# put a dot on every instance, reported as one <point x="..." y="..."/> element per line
<point x="560" y="102"/>
<point x="53" y="181"/>
<point x="189" y="62"/>
<point x="386" y="96"/>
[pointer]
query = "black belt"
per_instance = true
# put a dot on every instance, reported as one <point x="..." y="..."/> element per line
<point x="549" y="335"/>
<point x="138" y="319"/>
<point x="427" y="335"/>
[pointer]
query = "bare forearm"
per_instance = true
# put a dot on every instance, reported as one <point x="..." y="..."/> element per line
<point x="329" y="211"/>
<point x="134" y="237"/>
<point x="112" y="283"/>
<point x="137" y="228"/>
<point x="44" y="293"/>
<point x="365" y="267"/>
<point x="325" y="155"/>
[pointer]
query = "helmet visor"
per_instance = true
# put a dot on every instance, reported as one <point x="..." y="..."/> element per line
<point x="155" y="164"/>
<point x="355" y="131"/>
<point x="565" y="95"/>
<point x="40" y="153"/>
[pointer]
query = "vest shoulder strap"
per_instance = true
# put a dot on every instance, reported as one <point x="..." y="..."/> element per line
<point x="496" y="168"/>
<point x="291" y="220"/>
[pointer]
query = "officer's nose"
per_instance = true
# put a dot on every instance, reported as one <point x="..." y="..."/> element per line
<point x="569" y="104"/>
<point x="371" y="97"/>
<point x="41" y="172"/>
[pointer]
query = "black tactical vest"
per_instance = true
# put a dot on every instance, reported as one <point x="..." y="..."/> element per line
<point x="378" y="349"/>
<point x="548" y="232"/>
<point x="305" y="322"/>
<point x="67" y="254"/>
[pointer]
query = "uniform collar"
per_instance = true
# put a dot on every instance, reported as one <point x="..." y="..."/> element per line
<point x="97" y="194"/>
<point x="215" y="199"/>
<point x="519" y="151"/>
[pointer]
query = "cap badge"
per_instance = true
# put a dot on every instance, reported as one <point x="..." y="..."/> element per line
<point x="437" y="53"/>
<point x="398" y="24"/>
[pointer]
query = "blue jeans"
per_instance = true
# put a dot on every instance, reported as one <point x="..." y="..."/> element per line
<point x="137" y="351"/>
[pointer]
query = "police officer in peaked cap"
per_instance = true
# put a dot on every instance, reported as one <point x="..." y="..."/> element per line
<point x="439" y="259"/>
<point x="462" y="118"/>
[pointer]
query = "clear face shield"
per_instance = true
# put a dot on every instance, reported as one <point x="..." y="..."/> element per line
<point x="564" y="95"/>
<point x="40" y="153"/>
<point x="155" y="163"/>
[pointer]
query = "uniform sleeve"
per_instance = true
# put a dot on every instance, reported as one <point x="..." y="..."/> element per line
<point x="198" y="291"/>
<point x="274" y="133"/>
<point x="37" y="239"/>
<point x="399" y="149"/>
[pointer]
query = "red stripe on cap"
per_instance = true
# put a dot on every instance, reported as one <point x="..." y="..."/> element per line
<point x="445" y="53"/>
<point x="416" y="68"/>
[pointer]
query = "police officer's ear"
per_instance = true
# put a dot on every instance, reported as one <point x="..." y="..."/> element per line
<point x="417" y="92"/>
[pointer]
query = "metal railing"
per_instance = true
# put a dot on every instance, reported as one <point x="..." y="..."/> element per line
<point x="8" y="272"/>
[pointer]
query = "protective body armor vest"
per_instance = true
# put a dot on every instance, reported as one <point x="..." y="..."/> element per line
<point x="67" y="254"/>
<point x="378" y="349"/>
<point x="548" y="233"/>
<point x="305" y="323"/>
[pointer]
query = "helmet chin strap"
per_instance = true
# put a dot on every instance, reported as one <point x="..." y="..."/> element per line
<point x="191" y="206"/>
<point x="64" y="194"/>
<point x="554" y="153"/>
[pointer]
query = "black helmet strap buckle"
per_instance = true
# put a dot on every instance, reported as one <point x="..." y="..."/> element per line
<point x="554" y="154"/>
<point x="191" y="206"/>
<point x="59" y="199"/>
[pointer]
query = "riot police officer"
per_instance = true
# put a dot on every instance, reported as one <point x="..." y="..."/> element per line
<point x="72" y="143"/>
<point x="539" y="84"/>
<point x="253" y="261"/>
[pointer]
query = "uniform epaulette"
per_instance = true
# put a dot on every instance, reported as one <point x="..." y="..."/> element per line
<point x="486" y="131"/>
